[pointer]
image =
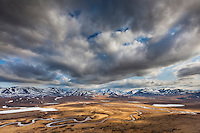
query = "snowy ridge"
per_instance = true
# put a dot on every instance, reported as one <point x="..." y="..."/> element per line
<point x="33" y="92"/>
<point x="78" y="92"/>
<point x="30" y="91"/>
<point x="110" y="92"/>
<point x="157" y="92"/>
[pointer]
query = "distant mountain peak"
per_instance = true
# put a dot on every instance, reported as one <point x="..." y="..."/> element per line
<point x="52" y="91"/>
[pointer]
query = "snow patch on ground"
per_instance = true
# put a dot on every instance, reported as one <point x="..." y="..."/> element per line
<point x="25" y="109"/>
<point x="168" y="105"/>
<point x="50" y="103"/>
<point x="57" y="98"/>
<point x="105" y="101"/>
<point x="133" y="101"/>
<point x="11" y="101"/>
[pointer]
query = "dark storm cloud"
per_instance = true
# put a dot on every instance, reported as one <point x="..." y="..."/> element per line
<point x="188" y="71"/>
<point x="24" y="71"/>
<point x="55" y="36"/>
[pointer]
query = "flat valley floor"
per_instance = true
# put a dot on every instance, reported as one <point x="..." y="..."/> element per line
<point x="102" y="114"/>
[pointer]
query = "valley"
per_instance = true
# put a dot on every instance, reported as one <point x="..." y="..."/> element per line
<point x="100" y="114"/>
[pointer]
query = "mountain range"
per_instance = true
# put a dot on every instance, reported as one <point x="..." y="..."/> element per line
<point x="146" y="92"/>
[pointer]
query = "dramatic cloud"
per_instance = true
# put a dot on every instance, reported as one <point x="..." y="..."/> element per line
<point x="190" y="69"/>
<point x="90" y="42"/>
<point x="130" y="84"/>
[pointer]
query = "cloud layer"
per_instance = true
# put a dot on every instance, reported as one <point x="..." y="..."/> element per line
<point x="95" y="41"/>
<point x="189" y="70"/>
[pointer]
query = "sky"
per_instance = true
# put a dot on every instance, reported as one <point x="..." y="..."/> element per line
<point x="91" y="44"/>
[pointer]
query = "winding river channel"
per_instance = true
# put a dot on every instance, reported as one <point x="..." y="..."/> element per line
<point x="56" y="122"/>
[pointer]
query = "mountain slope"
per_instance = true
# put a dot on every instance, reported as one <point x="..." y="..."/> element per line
<point x="33" y="92"/>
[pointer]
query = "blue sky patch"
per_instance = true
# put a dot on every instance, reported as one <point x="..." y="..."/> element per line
<point x="102" y="56"/>
<point x="74" y="14"/>
<point x="122" y="29"/>
<point x="142" y="39"/>
<point x="94" y="35"/>
<point x="2" y="62"/>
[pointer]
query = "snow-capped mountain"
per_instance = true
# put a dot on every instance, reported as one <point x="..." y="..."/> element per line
<point x="157" y="92"/>
<point x="30" y="91"/>
<point x="33" y="91"/>
<point x="78" y="92"/>
<point x="111" y="92"/>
